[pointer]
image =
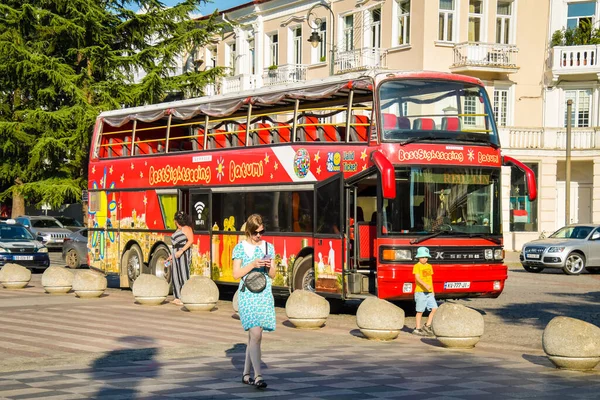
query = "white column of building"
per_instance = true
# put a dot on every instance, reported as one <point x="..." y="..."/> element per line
<point x="259" y="49"/>
<point x="596" y="192"/>
<point x="547" y="195"/>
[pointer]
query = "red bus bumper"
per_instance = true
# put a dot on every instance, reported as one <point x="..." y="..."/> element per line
<point x="396" y="282"/>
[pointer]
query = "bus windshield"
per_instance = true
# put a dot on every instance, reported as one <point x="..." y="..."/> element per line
<point x="433" y="110"/>
<point x="430" y="199"/>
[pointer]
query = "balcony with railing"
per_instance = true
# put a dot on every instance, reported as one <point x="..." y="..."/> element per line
<point x="232" y="83"/>
<point x="286" y="73"/>
<point x="360" y="59"/>
<point x="575" y="60"/>
<point x="486" y="57"/>
<point x="549" y="138"/>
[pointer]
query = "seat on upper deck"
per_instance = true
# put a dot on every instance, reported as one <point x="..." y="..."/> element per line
<point x="424" y="124"/>
<point x="450" y="124"/>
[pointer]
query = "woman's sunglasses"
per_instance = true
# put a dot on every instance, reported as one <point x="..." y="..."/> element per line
<point x="261" y="232"/>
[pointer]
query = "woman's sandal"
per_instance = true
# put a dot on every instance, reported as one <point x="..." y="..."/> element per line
<point x="248" y="381"/>
<point x="259" y="382"/>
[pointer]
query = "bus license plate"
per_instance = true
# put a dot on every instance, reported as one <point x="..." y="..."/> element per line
<point x="533" y="256"/>
<point x="457" y="285"/>
<point x="22" y="258"/>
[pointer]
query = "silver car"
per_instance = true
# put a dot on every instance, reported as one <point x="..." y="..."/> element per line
<point x="572" y="248"/>
<point x="75" y="250"/>
<point x="49" y="229"/>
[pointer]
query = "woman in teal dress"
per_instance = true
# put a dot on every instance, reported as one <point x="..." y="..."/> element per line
<point x="257" y="310"/>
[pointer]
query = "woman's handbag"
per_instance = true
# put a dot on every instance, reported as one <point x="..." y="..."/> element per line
<point x="255" y="281"/>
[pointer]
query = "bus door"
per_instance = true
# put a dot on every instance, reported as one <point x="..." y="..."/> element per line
<point x="361" y="217"/>
<point x="328" y="231"/>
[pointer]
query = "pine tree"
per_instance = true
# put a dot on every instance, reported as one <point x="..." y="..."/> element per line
<point x="62" y="62"/>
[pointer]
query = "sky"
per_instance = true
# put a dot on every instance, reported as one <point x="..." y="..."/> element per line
<point x="209" y="7"/>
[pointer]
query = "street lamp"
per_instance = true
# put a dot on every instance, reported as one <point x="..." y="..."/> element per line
<point x="315" y="39"/>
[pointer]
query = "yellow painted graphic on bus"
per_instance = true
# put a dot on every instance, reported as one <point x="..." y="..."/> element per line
<point x="229" y="242"/>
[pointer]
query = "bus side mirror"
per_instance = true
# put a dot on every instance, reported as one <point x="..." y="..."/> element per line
<point x="529" y="175"/>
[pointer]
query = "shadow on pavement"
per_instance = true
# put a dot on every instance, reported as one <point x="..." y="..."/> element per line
<point x="119" y="365"/>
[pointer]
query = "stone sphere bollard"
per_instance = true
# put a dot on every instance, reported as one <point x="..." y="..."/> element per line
<point x="89" y="284"/>
<point x="199" y="293"/>
<point x="57" y="280"/>
<point x="234" y="302"/>
<point x="13" y="276"/>
<point x="306" y="310"/>
<point x="379" y="319"/>
<point x="572" y="344"/>
<point x="457" y="326"/>
<point x="150" y="290"/>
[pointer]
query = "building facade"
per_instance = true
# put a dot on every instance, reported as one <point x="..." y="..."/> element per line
<point x="511" y="45"/>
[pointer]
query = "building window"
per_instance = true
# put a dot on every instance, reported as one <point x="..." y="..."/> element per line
<point x="322" y="48"/>
<point x="297" y="37"/>
<point x="523" y="213"/>
<point x="252" y="52"/>
<point x="501" y="106"/>
<point x="475" y="20"/>
<point x="348" y="44"/>
<point x="580" y="112"/>
<point x="376" y="28"/>
<point x="580" y="13"/>
<point x="503" y="19"/>
<point x="403" y="8"/>
<point x="273" y="49"/>
<point x="470" y="107"/>
<point x="211" y="58"/>
<point x="232" y="58"/>
<point x="446" y="21"/>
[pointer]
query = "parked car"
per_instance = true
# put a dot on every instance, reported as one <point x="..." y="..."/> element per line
<point x="70" y="223"/>
<point x="52" y="232"/>
<point x="19" y="246"/>
<point x="572" y="248"/>
<point x="74" y="250"/>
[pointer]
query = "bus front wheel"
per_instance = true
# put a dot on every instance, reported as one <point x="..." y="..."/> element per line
<point x="304" y="274"/>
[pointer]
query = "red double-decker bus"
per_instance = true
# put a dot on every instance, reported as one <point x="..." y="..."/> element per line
<point x="351" y="174"/>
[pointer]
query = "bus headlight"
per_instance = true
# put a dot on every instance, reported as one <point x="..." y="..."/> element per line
<point x="489" y="254"/>
<point x="396" y="255"/>
<point x="498" y="254"/>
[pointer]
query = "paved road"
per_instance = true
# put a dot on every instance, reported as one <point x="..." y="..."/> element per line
<point x="518" y="317"/>
<point x="62" y="347"/>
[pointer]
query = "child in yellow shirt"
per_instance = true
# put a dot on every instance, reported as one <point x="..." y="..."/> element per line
<point x="424" y="295"/>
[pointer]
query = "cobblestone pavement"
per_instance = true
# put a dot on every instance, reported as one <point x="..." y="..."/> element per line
<point x="62" y="347"/>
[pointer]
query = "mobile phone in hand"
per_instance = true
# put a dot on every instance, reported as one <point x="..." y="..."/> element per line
<point x="267" y="257"/>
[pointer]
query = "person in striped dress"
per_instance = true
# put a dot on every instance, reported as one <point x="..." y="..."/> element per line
<point x="182" y="238"/>
<point x="257" y="310"/>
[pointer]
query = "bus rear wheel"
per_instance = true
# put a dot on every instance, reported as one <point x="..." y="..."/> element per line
<point x="157" y="263"/>
<point x="304" y="274"/>
<point x="135" y="263"/>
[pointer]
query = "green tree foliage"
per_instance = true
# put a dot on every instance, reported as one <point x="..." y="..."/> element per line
<point x="62" y="62"/>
